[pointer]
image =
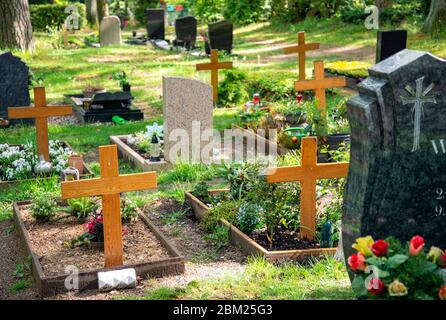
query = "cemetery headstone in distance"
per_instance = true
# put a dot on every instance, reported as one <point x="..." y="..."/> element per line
<point x="110" y="34"/>
<point x="186" y="32"/>
<point x="155" y="24"/>
<point x="389" y="43"/>
<point x="14" y="81"/>
<point x="221" y="35"/>
<point x="397" y="179"/>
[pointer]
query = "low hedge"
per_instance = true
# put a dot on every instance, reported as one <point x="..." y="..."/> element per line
<point x="52" y="16"/>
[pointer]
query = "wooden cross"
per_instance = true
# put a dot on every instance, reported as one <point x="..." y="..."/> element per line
<point x="301" y="49"/>
<point x="214" y="66"/>
<point x="308" y="173"/>
<point x="40" y="112"/>
<point x="110" y="185"/>
<point x="319" y="84"/>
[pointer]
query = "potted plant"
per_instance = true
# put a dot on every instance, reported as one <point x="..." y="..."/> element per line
<point x="123" y="80"/>
<point x="76" y="161"/>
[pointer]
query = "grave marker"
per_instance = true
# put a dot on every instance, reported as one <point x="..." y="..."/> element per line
<point x="308" y="173"/>
<point x="214" y="66"/>
<point x="186" y="32"/>
<point x="320" y="84"/>
<point x="187" y="111"/>
<point x="301" y="49"/>
<point x="41" y="112"/>
<point x="155" y="24"/>
<point x="389" y="43"/>
<point x="14" y="78"/>
<point x="110" y="34"/>
<point x="396" y="183"/>
<point x="109" y="186"/>
<point x="221" y="35"/>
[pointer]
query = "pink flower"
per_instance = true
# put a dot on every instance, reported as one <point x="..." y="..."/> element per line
<point x="357" y="262"/>
<point x="376" y="287"/>
<point x="416" y="245"/>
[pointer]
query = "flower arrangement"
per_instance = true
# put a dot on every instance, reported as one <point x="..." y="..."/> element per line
<point x="19" y="162"/>
<point x="386" y="269"/>
<point x="142" y="140"/>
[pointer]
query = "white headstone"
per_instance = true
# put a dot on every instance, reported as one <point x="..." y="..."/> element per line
<point x="110" y="31"/>
<point x="188" y="124"/>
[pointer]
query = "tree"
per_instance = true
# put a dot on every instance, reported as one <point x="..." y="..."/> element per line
<point x="92" y="12"/>
<point x="102" y="9"/>
<point x="16" y="31"/>
<point x="437" y="11"/>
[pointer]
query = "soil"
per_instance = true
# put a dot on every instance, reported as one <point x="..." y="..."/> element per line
<point x="283" y="240"/>
<point x="50" y="241"/>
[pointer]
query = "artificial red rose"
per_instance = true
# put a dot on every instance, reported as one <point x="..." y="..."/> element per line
<point x="416" y="245"/>
<point x="357" y="262"/>
<point x="442" y="293"/>
<point x="376" y="287"/>
<point x="443" y="260"/>
<point x="379" y="248"/>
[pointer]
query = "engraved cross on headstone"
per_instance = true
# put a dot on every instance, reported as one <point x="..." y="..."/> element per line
<point x="418" y="98"/>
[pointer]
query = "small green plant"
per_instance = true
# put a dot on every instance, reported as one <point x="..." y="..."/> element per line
<point x="80" y="207"/>
<point x="43" y="206"/>
<point x="219" y="237"/>
<point x="249" y="217"/>
<point x="20" y="285"/>
<point x="201" y="191"/>
<point x="231" y="90"/>
<point x="225" y="210"/>
<point x="122" y="78"/>
<point x="129" y="210"/>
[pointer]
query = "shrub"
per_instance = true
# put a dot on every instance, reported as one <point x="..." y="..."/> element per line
<point x="43" y="206"/>
<point x="207" y="10"/>
<point x="129" y="210"/>
<point x="300" y="9"/>
<point x="249" y="217"/>
<point x="225" y="210"/>
<point x="232" y="89"/>
<point x="52" y="16"/>
<point x="245" y="11"/>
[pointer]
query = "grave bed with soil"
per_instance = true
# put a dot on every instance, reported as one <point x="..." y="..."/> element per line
<point x="138" y="159"/>
<point x="257" y="243"/>
<point x="88" y="173"/>
<point x="48" y="243"/>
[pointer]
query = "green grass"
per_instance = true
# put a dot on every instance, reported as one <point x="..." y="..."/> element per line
<point x="20" y="285"/>
<point x="323" y="279"/>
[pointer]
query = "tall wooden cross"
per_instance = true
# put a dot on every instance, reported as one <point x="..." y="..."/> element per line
<point x="308" y="173"/>
<point x="40" y="112"/>
<point x="301" y="49"/>
<point x="320" y="84"/>
<point x="110" y="185"/>
<point x="214" y="66"/>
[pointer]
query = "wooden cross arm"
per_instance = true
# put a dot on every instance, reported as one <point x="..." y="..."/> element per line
<point x="214" y="66"/>
<point x="41" y="112"/>
<point x="320" y="84"/>
<point x="301" y="48"/>
<point x="108" y="186"/>
<point x="331" y="170"/>
<point x="285" y="174"/>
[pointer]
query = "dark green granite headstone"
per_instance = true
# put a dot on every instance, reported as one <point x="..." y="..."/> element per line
<point x="397" y="180"/>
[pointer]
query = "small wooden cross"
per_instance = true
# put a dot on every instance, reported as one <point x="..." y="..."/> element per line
<point x="319" y="84"/>
<point x="301" y="49"/>
<point x="214" y="66"/>
<point x="40" y="112"/>
<point x="308" y="173"/>
<point x="110" y="185"/>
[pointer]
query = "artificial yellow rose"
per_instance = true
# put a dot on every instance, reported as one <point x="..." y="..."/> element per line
<point x="434" y="254"/>
<point x="364" y="245"/>
<point x="397" y="289"/>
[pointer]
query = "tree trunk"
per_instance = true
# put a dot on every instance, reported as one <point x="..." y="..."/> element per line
<point x="437" y="9"/>
<point x="102" y="9"/>
<point x="383" y="4"/>
<point x="16" y="31"/>
<point x="92" y="12"/>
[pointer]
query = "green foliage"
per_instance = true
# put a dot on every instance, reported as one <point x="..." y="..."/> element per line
<point x="122" y="78"/>
<point x="232" y="90"/>
<point x="43" y="206"/>
<point x="207" y="10"/>
<point x="300" y="9"/>
<point x="219" y="237"/>
<point x="20" y="285"/>
<point x="249" y="217"/>
<point x="80" y="207"/>
<point x="129" y="210"/>
<point x="201" y="191"/>
<point x="46" y="17"/>
<point x="140" y="7"/>
<point x="188" y="172"/>
<point x="245" y="11"/>
<point x="353" y="69"/>
<point x="224" y="210"/>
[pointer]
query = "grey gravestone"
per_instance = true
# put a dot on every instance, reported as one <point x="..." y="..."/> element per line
<point x="389" y="43"/>
<point x="186" y="31"/>
<point x="397" y="179"/>
<point x="221" y="35"/>
<point x="110" y="31"/>
<point x="155" y="23"/>
<point x="187" y="110"/>
<point x="14" y="79"/>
